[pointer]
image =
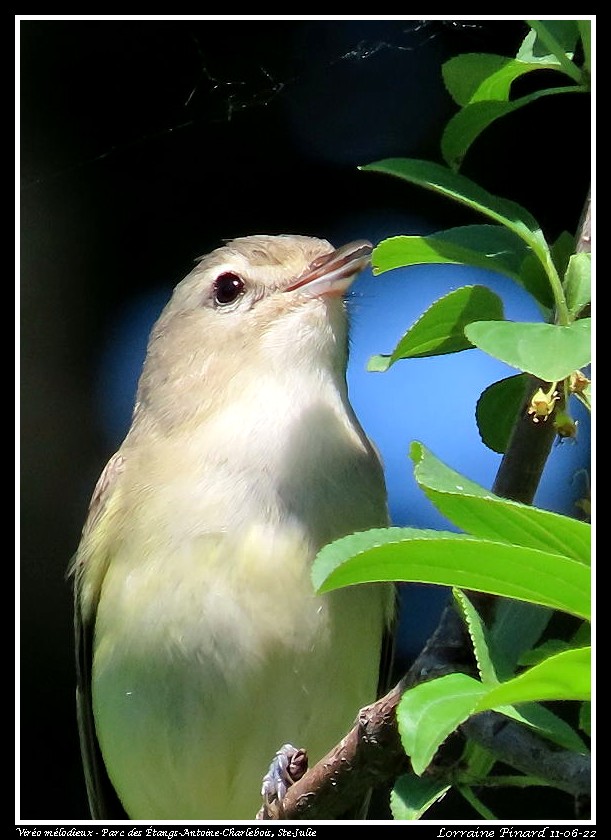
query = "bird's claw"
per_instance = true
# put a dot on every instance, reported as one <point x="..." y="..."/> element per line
<point x="287" y="767"/>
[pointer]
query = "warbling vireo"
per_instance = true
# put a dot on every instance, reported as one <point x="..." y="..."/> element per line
<point x="202" y="647"/>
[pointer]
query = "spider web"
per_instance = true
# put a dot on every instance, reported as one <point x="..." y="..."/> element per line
<point x="226" y="97"/>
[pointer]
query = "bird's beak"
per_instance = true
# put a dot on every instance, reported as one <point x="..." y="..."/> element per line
<point x="332" y="274"/>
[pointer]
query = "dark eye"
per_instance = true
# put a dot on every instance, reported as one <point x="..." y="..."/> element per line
<point x="227" y="288"/>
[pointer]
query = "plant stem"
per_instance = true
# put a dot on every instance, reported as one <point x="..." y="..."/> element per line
<point x="529" y="446"/>
<point x="520" y="470"/>
<point x="519" y="747"/>
<point x="554" y="47"/>
<point x="476" y="802"/>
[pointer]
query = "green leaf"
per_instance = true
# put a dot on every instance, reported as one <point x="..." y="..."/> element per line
<point x="466" y="125"/>
<point x="498" y="408"/>
<point x="412" y="796"/>
<point x="547" y="724"/>
<point x="449" y="559"/>
<point x="534" y="49"/>
<point x="438" y="178"/>
<point x="548" y="648"/>
<point x="478" y="511"/>
<point x="481" y="84"/>
<point x="506" y="645"/>
<point x="378" y="363"/>
<point x="585" y="718"/>
<point x="532" y="714"/>
<point x="534" y="275"/>
<point x="548" y="351"/>
<point x="432" y="474"/>
<point x="507" y="213"/>
<point x="476" y="761"/>
<point x="484" y="246"/>
<point x="585" y="31"/>
<point x="477" y="633"/>
<point x="475" y="77"/>
<point x="577" y="282"/>
<point x="583" y="635"/>
<point x="441" y="329"/>
<point x="562" y="250"/>
<point x="431" y="711"/>
<point x="564" y="676"/>
<point x="475" y="802"/>
<point x="551" y="41"/>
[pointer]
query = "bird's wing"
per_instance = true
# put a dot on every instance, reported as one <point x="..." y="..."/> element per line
<point x="103" y="800"/>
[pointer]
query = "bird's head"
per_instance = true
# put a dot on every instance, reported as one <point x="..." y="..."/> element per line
<point x="257" y="304"/>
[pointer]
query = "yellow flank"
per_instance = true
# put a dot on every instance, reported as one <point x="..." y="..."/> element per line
<point x="230" y="657"/>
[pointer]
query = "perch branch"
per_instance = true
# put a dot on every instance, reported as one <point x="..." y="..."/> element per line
<point x="371" y="753"/>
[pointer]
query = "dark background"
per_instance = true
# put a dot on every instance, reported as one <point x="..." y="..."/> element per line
<point x="143" y="144"/>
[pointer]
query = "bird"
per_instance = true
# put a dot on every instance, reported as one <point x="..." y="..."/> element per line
<point x="201" y="645"/>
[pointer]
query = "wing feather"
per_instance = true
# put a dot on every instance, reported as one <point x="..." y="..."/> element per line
<point x="103" y="800"/>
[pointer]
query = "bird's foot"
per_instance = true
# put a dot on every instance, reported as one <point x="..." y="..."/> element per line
<point x="287" y="767"/>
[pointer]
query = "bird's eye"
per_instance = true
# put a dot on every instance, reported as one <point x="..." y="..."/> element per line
<point x="227" y="288"/>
